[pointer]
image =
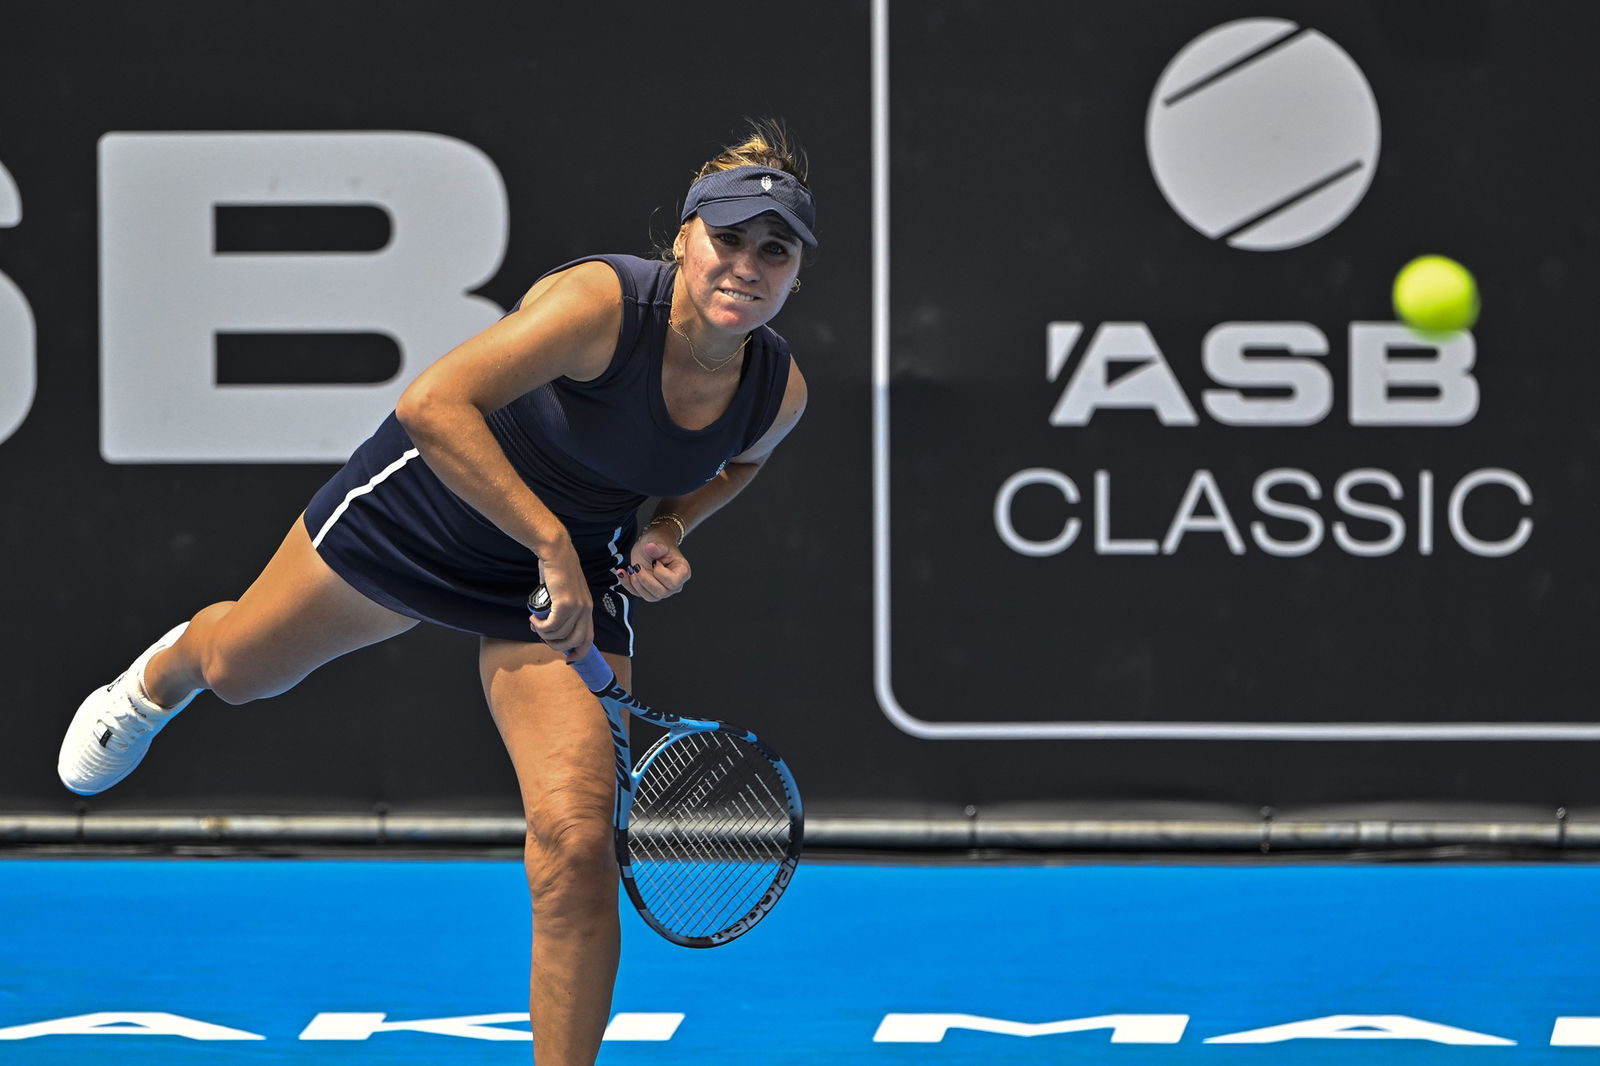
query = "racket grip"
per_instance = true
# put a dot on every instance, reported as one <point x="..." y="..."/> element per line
<point x="591" y="665"/>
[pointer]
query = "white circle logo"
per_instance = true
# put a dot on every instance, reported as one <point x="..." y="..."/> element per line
<point x="1262" y="134"/>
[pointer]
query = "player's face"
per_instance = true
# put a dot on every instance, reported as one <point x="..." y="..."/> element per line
<point x="738" y="276"/>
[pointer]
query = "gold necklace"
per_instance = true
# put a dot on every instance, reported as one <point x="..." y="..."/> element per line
<point x="695" y="354"/>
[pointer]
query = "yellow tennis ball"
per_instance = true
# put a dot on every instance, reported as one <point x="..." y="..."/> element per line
<point x="1434" y="294"/>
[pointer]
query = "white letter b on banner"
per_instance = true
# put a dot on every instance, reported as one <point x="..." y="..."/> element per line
<point x="18" y="376"/>
<point x="167" y="292"/>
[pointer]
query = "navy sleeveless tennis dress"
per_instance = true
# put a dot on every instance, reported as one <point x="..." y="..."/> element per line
<point x="593" y="452"/>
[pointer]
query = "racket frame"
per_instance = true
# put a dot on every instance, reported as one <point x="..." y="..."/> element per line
<point x="679" y="728"/>
<point x="619" y="704"/>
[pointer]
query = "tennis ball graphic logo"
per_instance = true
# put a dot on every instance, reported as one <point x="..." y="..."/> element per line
<point x="1263" y="134"/>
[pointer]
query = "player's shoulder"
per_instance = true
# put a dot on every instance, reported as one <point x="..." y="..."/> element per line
<point x="586" y="296"/>
<point x="787" y="375"/>
<point x="593" y="281"/>
<point x="579" y="307"/>
<point x="794" y="392"/>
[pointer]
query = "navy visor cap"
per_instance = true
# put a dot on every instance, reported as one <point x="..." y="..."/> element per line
<point x="729" y="197"/>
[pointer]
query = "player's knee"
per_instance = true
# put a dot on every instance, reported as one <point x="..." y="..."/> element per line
<point x="571" y="860"/>
<point x="230" y="671"/>
<point x="230" y="680"/>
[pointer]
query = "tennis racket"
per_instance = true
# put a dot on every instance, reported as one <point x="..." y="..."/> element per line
<point x="708" y="824"/>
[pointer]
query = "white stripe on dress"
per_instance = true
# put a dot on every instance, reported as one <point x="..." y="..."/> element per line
<point x="626" y="604"/>
<point x="377" y="479"/>
<point x="616" y="553"/>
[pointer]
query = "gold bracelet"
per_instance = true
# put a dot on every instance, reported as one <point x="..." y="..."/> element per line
<point x="668" y="516"/>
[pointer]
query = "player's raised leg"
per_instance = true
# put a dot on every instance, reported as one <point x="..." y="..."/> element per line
<point x="296" y="616"/>
<point x="560" y="744"/>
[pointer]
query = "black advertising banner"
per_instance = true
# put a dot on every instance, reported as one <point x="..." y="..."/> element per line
<point x="229" y="236"/>
<point x="1142" y="404"/>
<point x="1119" y="480"/>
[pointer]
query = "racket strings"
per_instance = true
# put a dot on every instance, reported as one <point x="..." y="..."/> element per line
<point x="724" y="888"/>
<point x="706" y="902"/>
<point x="710" y="897"/>
<point x="706" y="803"/>
<point x="699" y="811"/>
<point x="700" y="895"/>
<point x="709" y="831"/>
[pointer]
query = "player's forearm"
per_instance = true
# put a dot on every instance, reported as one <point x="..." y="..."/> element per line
<point x="455" y="442"/>
<point x="695" y="507"/>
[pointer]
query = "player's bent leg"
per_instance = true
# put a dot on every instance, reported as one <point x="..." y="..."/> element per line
<point x="297" y="615"/>
<point x="560" y="745"/>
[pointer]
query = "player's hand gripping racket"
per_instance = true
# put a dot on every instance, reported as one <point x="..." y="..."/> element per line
<point x="709" y="823"/>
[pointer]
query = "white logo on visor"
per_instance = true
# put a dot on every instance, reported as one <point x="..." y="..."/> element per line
<point x="766" y="184"/>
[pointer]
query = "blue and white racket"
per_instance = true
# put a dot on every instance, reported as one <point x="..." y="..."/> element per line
<point x="708" y="824"/>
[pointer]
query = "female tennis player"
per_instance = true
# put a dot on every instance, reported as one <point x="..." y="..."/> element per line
<point x="521" y="456"/>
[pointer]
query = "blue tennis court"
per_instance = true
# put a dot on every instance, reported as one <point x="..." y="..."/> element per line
<point x="307" y="961"/>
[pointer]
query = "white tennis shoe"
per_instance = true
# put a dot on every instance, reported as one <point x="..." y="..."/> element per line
<point x="114" y="726"/>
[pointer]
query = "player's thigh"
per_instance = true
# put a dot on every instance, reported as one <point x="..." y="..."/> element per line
<point x="297" y="615"/>
<point x="555" y="731"/>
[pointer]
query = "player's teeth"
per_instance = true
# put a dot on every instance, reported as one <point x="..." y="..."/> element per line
<point x="745" y="297"/>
